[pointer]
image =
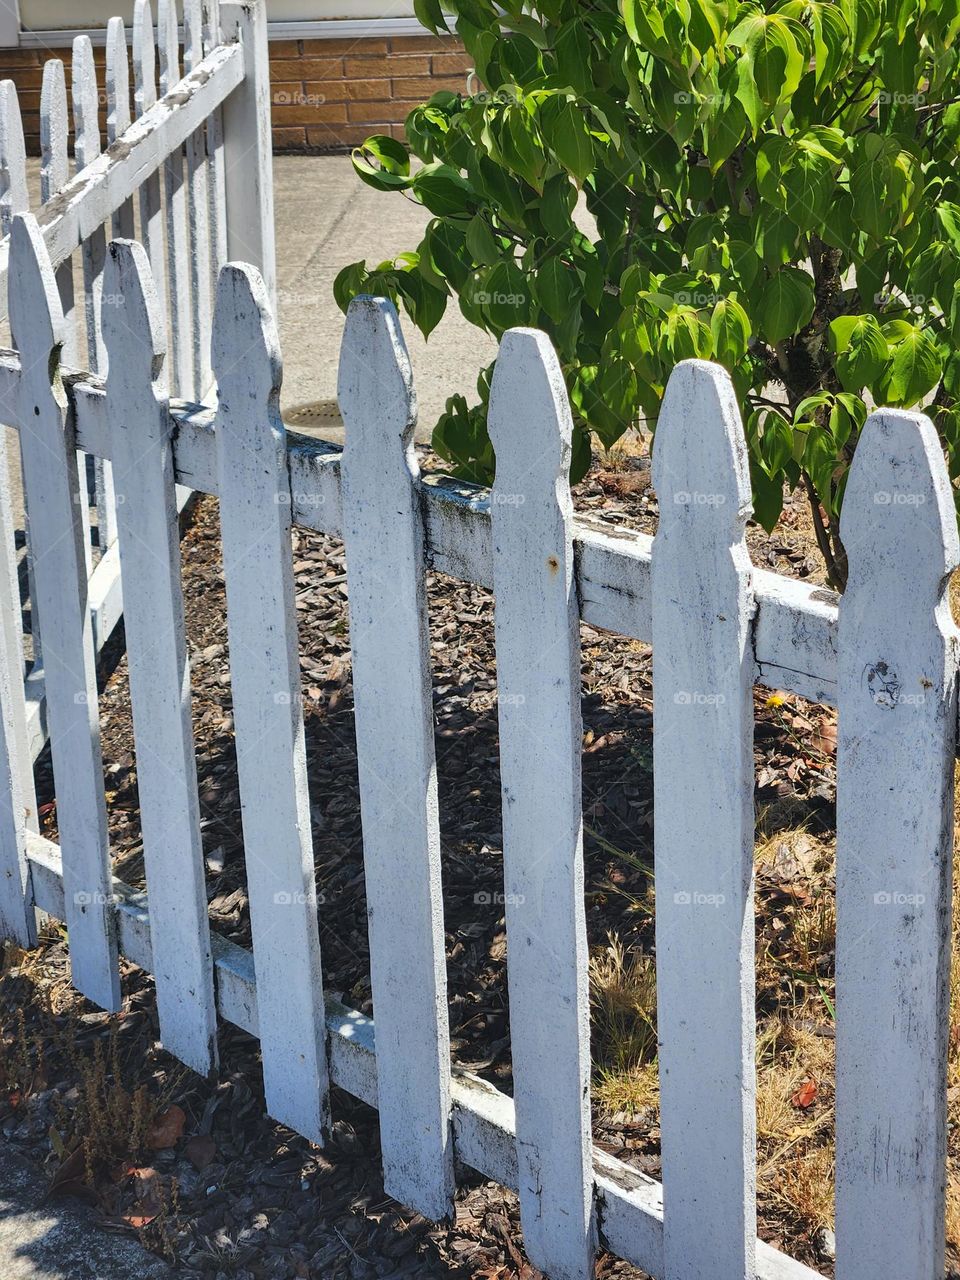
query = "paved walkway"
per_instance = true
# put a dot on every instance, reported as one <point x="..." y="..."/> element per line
<point x="326" y="218"/>
<point x="57" y="1240"/>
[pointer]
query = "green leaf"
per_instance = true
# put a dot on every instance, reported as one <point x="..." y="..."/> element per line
<point x="767" y="496"/>
<point x="504" y="295"/>
<point x="730" y="326"/>
<point x="820" y="463"/>
<point x="349" y="283"/>
<point x="861" y="351"/>
<point x="776" y="443"/>
<point x="392" y="169"/>
<point x="574" y="49"/>
<point x="787" y="304"/>
<point x="915" y="369"/>
<point x="430" y="15"/>
<point x="770" y="65"/>
<point x="443" y="190"/>
<point x="424" y="303"/>
<point x="481" y="242"/>
<point x="568" y="137"/>
<point x="558" y="288"/>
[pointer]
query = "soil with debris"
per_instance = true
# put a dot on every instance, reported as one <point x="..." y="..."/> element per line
<point x="221" y="1190"/>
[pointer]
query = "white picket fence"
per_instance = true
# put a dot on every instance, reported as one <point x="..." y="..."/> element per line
<point x="191" y="169"/>
<point x="886" y="654"/>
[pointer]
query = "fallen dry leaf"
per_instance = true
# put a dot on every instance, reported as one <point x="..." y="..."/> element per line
<point x="69" y="1177"/>
<point x="168" y="1130"/>
<point x="825" y="737"/>
<point x="806" y="1095"/>
<point x="200" y="1150"/>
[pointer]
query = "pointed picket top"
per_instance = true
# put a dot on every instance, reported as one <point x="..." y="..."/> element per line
<point x="528" y="372"/>
<point x="54" y="130"/>
<point x="898" y="507"/>
<point x="144" y="57"/>
<point x="85" y="103"/>
<point x="699" y="449"/>
<point x="897" y="701"/>
<point x="118" y="80"/>
<point x="13" y="158"/>
<point x="246" y="349"/>
<point x="134" y="329"/>
<point x="36" y="317"/>
<point x="168" y="42"/>
<point x="375" y="387"/>
<point x="192" y="34"/>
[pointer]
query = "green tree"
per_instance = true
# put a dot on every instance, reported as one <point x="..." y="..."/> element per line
<point x="775" y="187"/>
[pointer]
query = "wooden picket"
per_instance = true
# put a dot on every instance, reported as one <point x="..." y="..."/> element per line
<point x="145" y="97"/>
<point x="52" y="493"/>
<point x="199" y="211"/>
<point x="703" y="828"/>
<point x="140" y="426"/>
<point x="895" y="770"/>
<point x="254" y="486"/>
<point x="175" y="198"/>
<point x="87" y="147"/>
<point x="395" y="757"/>
<point x="540" y="748"/>
<point x="118" y="112"/>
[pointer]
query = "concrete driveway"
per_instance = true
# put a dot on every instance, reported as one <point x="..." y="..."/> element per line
<point x="326" y="218"/>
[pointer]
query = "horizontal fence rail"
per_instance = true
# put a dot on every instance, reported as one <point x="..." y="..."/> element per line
<point x="718" y="625"/>
<point x="794" y="632"/>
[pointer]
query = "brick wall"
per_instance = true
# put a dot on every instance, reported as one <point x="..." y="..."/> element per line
<point x="25" y="68"/>
<point x="327" y="94"/>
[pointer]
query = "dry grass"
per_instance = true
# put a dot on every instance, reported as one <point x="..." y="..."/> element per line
<point x="112" y="1112"/>
<point x="795" y="1048"/>
<point x="623" y="1000"/>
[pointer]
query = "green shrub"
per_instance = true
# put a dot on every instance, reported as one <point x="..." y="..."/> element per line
<point x="775" y="188"/>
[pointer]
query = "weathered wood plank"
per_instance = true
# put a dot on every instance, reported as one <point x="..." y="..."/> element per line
<point x="216" y="176"/>
<point x="93" y="251"/>
<point x="198" y="212"/>
<point x="267" y="708"/>
<point x="118" y="112"/>
<point x="54" y="176"/>
<point x="895" y="766"/>
<point x="157" y="658"/>
<point x="175" y="195"/>
<point x="248" y="146"/>
<point x="18" y="801"/>
<point x="50" y="482"/>
<point x="15" y="199"/>
<point x="395" y="754"/>
<point x="704" y="828"/>
<point x="145" y="97"/>
<point x="538" y="682"/>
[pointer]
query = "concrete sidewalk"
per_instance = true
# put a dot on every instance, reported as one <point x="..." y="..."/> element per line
<point x="326" y="218"/>
<point x="57" y="1240"/>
